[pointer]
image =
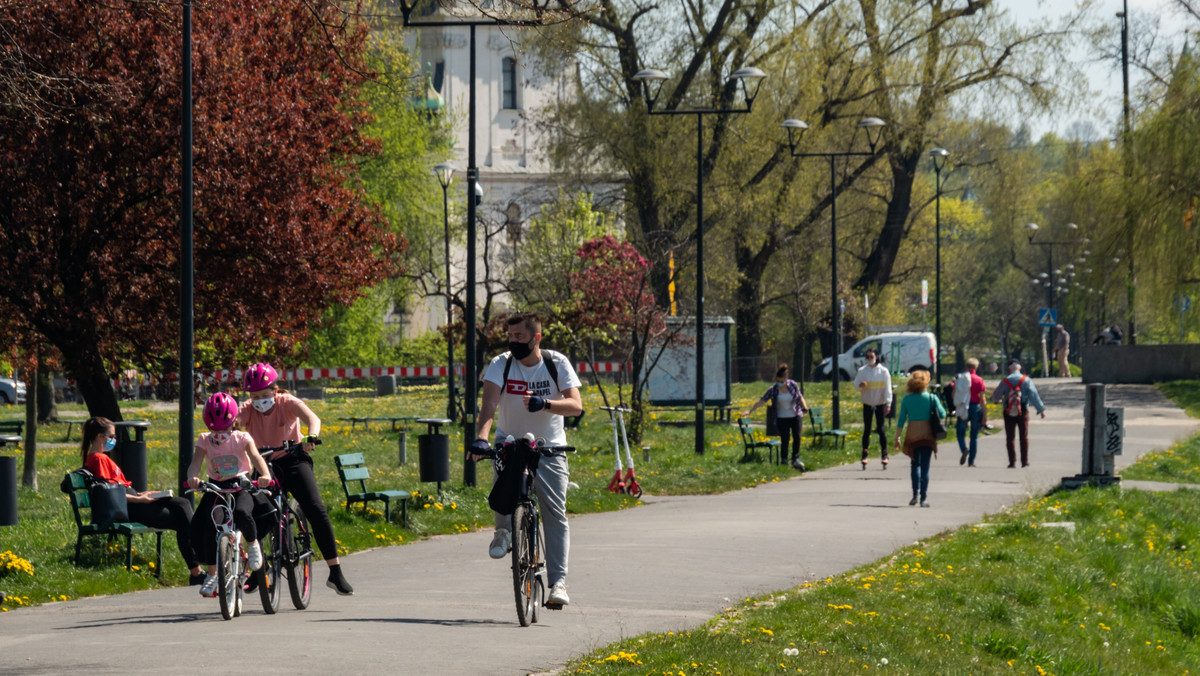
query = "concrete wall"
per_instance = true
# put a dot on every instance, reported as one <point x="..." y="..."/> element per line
<point x="1113" y="364"/>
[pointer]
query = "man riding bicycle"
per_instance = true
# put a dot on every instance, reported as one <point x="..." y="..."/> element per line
<point x="533" y="390"/>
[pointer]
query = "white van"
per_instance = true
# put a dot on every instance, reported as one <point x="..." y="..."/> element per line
<point x="906" y="348"/>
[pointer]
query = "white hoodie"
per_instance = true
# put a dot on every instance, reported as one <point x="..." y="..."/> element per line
<point x="879" y="385"/>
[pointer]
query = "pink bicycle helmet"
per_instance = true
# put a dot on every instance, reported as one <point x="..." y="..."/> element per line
<point x="259" y="377"/>
<point x="220" y="411"/>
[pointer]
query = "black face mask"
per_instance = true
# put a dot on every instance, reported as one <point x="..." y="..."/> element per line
<point x="520" y="350"/>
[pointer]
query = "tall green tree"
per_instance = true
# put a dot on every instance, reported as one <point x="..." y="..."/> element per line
<point x="830" y="63"/>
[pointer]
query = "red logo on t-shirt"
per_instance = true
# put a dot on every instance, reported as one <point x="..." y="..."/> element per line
<point x="517" y="387"/>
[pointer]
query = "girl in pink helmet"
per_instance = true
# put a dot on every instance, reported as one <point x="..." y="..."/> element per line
<point x="229" y="455"/>
<point x="272" y="417"/>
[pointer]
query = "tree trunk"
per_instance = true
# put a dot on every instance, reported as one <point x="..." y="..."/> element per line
<point x="29" y="472"/>
<point x="87" y="367"/>
<point x="47" y="407"/>
<point x="878" y="270"/>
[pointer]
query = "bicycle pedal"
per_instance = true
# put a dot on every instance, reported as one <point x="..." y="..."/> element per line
<point x="553" y="606"/>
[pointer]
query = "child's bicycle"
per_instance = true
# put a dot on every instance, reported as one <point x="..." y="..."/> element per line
<point x="528" y="552"/>
<point x="288" y="545"/>
<point x="232" y="569"/>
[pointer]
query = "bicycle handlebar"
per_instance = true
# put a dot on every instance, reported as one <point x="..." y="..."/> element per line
<point x="287" y="448"/>
<point x="542" y="450"/>
<point x="243" y="485"/>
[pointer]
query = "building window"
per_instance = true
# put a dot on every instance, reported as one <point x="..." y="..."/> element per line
<point x="508" y="78"/>
<point x="439" y="76"/>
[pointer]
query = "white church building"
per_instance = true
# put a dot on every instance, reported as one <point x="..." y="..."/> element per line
<point x="511" y="88"/>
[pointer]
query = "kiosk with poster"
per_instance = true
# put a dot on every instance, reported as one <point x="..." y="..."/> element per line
<point x="672" y="381"/>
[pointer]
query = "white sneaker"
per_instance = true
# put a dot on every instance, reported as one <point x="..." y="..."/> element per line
<point x="254" y="552"/>
<point x="501" y="543"/>
<point x="558" y="594"/>
<point x="208" y="588"/>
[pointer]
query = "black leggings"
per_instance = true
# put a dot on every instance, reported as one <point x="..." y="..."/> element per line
<point x="295" y="475"/>
<point x="875" y="412"/>
<point x="204" y="531"/>
<point x="173" y="514"/>
<point x="787" y="427"/>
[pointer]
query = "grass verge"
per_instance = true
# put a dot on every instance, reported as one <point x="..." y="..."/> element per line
<point x="1021" y="593"/>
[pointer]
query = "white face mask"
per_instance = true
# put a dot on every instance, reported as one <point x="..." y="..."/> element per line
<point x="262" y="405"/>
<point x="221" y="437"/>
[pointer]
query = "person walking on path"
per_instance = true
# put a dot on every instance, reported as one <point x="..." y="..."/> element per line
<point x="969" y="397"/>
<point x="1062" y="348"/>
<point x="789" y="407"/>
<point x="917" y="409"/>
<point x="533" y="389"/>
<point x="874" y="384"/>
<point x="1017" y="392"/>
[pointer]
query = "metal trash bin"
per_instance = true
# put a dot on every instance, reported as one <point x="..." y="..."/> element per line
<point x="385" y="385"/>
<point x="433" y="450"/>
<point x="130" y="453"/>
<point x="8" y="483"/>
<point x="8" y="491"/>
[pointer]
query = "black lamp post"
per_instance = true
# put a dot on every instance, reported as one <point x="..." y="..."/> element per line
<point x="470" y="370"/>
<point x="445" y="174"/>
<point x="652" y="79"/>
<point x="1052" y="278"/>
<point x="187" y="402"/>
<point x="873" y="126"/>
<point x="939" y="156"/>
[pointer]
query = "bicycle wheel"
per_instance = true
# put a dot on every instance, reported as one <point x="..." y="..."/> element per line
<point x="268" y="575"/>
<point x="299" y="557"/>
<point x="524" y="567"/>
<point x="227" y="575"/>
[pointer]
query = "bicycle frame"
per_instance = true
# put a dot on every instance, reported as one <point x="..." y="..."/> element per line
<point x="231" y="583"/>
<point x="528" y="559"/>
<point x="291" y="543"/>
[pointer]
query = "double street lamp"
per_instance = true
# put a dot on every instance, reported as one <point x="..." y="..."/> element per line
<point x="873" y="126"/>
<point x="651" y="79"/>
<point x="445" y="174"/>
<point x="1051" y="278"/>
<point x="939" y="157"/>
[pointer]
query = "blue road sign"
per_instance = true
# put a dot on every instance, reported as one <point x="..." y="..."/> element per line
<point x="1047" y="317"/>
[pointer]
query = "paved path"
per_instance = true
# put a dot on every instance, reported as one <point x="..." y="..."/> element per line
<point x="442" y="607"/>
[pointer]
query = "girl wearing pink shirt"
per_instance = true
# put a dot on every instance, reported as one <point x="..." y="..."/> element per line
<point x="229" y="455"/>
<point x="273" y="417"/>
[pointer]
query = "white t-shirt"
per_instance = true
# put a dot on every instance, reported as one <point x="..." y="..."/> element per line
<point x="511" y="416"/>
<point x="783" y="404"/>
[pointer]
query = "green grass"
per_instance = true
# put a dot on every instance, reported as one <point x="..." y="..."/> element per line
<point x="1181" y="462"/>
<point x="1012" y="596"/>
<point x="45" y="537"/>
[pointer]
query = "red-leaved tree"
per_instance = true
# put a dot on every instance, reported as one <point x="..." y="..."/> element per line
<point x="613" y="303"/>
<point x="90" y="179"/>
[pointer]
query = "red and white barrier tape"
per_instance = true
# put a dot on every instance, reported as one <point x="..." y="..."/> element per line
<point x="347" y="372"/>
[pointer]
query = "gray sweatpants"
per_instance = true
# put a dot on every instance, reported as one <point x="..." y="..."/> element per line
<point x="551" y="486"/>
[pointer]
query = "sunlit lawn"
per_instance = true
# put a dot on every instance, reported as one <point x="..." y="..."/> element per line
<point x="665" y="464"/>
<point x="1018" y="594"/>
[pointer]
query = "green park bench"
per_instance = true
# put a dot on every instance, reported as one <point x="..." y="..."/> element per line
<point x="750" y="444"/>
<point x="82" y="507"/>
<point x="352" y="470"/>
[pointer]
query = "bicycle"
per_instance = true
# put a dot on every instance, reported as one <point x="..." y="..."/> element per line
<point x="528" y="551"/>
<point x="231" y="556"/>
<point x="288" y="546"/>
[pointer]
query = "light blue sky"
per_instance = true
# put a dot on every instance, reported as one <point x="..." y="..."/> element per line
<point x="1103" y="107"/>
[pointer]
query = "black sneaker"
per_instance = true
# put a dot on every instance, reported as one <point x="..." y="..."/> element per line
<point x="251" y="583"/>
<point x="338" y="583"/>
<point x="196" y="579"/>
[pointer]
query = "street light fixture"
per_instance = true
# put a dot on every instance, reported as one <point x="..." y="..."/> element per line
<point x="873" y="127"/>
<point x="445" y="175"/>
<point x="470" y="371"/>
<point x="749" y="79"/>
<point x="939" y="156"/>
